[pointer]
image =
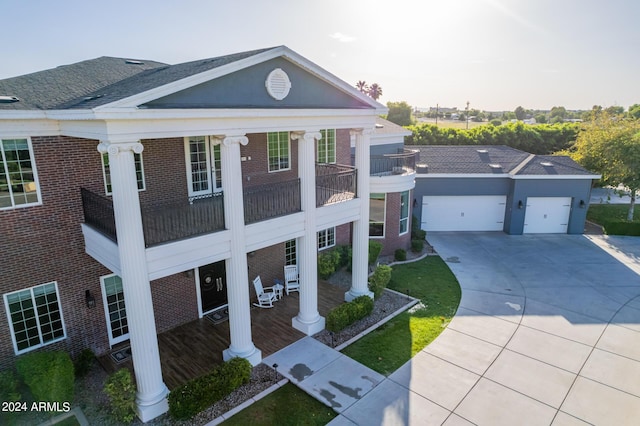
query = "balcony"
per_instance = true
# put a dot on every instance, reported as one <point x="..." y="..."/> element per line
<point x="162" y="223"/>
<point x="264" y="202"/>
<point x="335" y="183"/>
<point x="393" y="164"/>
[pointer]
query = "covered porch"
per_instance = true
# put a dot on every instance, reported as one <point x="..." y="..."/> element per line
<point x="193" y="349"/>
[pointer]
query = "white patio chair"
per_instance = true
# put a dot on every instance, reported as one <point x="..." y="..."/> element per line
<point x="265" y="298"/>
<point x="291" y="279"/>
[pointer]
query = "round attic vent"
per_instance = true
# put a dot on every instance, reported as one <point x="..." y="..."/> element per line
<point x="278" y="84"/>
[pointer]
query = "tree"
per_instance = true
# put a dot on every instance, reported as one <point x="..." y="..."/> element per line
<point x="610" y="146"/>
<point x="362" y="86"/>
<point x="520" y="113"/>
<point x="615" y="110"/>
<point x="541" y="118"/>
<point x="634" y="111"/>
<point x="375" y="91"/>
<point x="399" y="113"/>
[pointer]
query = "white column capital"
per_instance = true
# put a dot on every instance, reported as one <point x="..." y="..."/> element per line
<point x="309" y="136"/>
<point x="116" y="148"/>
<point x="361" y="132"/>
<point x="229" y="140"/>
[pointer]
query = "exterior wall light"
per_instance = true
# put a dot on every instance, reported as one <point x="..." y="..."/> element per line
<point x="520" y="205"/>
<point x="89" y="299"/>
<point x="582" y="204"/>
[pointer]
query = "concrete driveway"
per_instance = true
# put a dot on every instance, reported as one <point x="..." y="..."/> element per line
<point x="547" y="332"/>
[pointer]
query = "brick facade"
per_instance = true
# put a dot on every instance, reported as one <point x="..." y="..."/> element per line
<point x="392" y="239"/>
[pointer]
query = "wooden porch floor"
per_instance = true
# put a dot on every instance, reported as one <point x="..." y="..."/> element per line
<point x="193" y="349"/>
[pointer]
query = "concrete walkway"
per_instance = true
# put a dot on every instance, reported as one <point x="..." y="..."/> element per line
<point x="547" y="332"/>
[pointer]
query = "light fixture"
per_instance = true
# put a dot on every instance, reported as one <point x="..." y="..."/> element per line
<point x="188" y="273"/>
<point x="89" y="299"/>
<point x="582" y="204"/>
<point x="520" y="205"/>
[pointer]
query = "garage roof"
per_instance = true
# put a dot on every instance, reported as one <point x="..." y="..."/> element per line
<point x="494" y="160"/>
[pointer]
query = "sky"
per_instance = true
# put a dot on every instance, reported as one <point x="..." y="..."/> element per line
<point x="496" y="54"/>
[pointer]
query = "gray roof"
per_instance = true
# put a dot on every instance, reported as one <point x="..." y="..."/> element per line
<point x="492" y="159"/>
<point x="100" y="81"/>
<point x="386" y="127"/>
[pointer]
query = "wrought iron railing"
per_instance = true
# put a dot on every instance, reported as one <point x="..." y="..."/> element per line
<point x="162" y="223"/>
<point x="334" y="183"/>
<point x="393" y="164"/>
<point x="267" y="201"/>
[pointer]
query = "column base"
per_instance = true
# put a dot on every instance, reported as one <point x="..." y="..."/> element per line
<point x="308" y="328"/>
<point x="147" y="411"/>
<point x="254" y="356"/>
<point x="350" y="295"/>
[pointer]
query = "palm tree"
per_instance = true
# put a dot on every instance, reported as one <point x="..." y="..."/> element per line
<point x="362" y="86"/>
<point x="375" y="91"/>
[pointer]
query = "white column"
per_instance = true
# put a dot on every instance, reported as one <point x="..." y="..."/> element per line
<point x="308" y="320"/>
<point x="237" y="274"/>
<point x="151" y="398"/>
<point x="360" y="260"/>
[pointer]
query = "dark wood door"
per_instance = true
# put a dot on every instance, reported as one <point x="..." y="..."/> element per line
<point x="213" y="286"/>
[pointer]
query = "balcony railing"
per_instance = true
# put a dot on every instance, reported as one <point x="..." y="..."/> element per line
<point x="334" y="183"/>
<point x="160" y="224"/>
<point x="267" y="201"/>
<point x="393" y="164"/>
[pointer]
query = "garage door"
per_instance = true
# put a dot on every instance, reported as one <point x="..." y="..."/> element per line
<point x="463" y="213"/>
<point x="547" y="215"/>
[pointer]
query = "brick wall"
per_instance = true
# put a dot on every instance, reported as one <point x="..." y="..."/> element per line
<point x="268" y="263"/>
<point x="175" y="301"/>
<point x="392" y="240"/>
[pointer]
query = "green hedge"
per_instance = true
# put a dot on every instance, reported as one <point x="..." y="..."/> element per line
<point x="346" y="314"/>
<point x="198" y="394"/>
<point x="379" y="280"/>
<point x="9" y="386"/>
<point x="621" y="227"/>
<point x="121" y="391"/>
<point x="49" y="375"/>
<point x="84" y="362"/>
<point x="400" y="255"/>
<point x="328" y="263"/>
<point x="417" y="245"/>
<point x="375" y="248"/>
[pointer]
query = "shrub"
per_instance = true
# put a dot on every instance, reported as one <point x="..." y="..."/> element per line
<point x="379" y="280"/>
<point x="194" y="396"/>
<point x="9" y="386"/>
<point x="346" y="314"/>
<point x="621" y="227"/>
<point x="375" y="248"/>
<point x="121" y="391"/>
<point x="400" y="255"/>
<point x="417" y="245"/>
<point x="49" y="375"/>
<point x="84" y="362"/>
<point x="328" y="262"/>
<point x="346" y="255"/>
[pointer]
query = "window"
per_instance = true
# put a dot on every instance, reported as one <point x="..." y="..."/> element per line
<point x="18" y="178"/>
<point x="278" y="149"/>
<point x="327" y="146"/>
<point x="377" y="204"/>
<point x="35" y="318"/>
<point x="114" y="308"/>
<point x="327" y="238"/>
<point x="290" y="253"/>
<point x="404" y="212"/>
<point x="203" y="165"/>
<point x="106" y="172"/>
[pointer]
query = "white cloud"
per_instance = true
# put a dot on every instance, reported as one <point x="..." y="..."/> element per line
<point x="343" y="38"/>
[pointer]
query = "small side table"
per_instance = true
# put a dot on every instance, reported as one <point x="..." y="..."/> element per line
<point x="278" y="289"/>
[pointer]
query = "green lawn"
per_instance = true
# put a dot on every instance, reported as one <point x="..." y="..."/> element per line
<point x="393" y="344"/>
<point x="286" y="406"/>
<point x="613" y="217"/>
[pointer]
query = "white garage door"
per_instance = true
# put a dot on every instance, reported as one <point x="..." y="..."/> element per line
<point x="463" y="213"/>
<point x="547" y="215"/>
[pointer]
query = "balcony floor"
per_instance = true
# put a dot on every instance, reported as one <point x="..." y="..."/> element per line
<point x="193" y="349"/>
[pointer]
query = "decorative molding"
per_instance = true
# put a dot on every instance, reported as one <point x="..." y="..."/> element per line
<point x="278" y="84"/>
<point x="309" y="136"/>
<point x="235" y="139"/>
<point x="117" y="148"/>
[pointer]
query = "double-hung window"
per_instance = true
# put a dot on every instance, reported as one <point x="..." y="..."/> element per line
<point x="404" y="212"/>
<point x="18" y="177"/>
<point x="35" y="317"/>
<point x="327" y="146"/>
<point x="204" y="174"/>
<point x="106" y="172"/>
<point x="377" y="204"/>
<point x="278" y="151"/>
<point x="290" y="253"/>
<point x="327" y="238"/>
<point x="114" y="308"/>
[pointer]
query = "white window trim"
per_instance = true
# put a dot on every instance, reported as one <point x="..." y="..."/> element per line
<point x="35" y="176"/>
<point x="112" y="341"/>
<point x="187" y="158"/>
<point x="295" y="252"/>
<point x="408" y="215"/>
<point x="384" y="221"/>
<point x="328" y="245"/>
<point x="324" y="141"/>
<point x="10" y="321"/>
<point x="279" y="154"/>
<point x="104" y="175"/>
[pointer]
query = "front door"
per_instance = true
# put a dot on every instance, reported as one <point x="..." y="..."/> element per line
<point x="213" y="286"/>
